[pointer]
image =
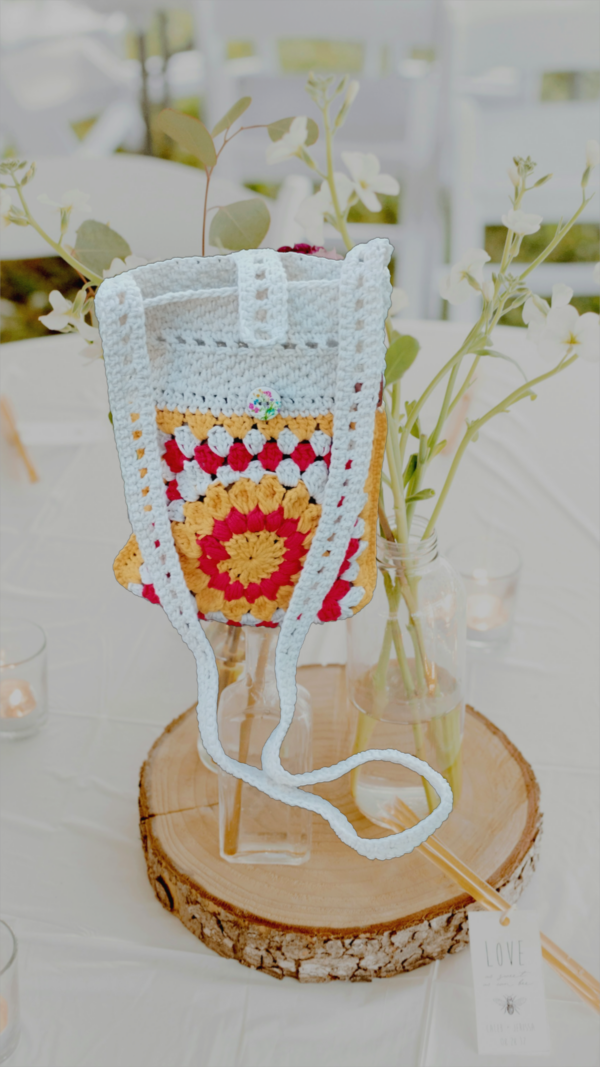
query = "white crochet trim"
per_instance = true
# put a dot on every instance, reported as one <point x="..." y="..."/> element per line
<point x="363" y="297"/>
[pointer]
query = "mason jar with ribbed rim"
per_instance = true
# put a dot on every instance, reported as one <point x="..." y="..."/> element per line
<point x="405" y="674"/>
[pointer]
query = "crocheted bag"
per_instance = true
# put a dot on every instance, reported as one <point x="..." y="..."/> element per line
<point x="245" y="393"/>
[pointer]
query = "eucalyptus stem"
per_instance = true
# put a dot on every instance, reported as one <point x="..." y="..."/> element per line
<point x="85" y="272"/>
<point x="519" y="394"/>
<point x="339" y="218"/>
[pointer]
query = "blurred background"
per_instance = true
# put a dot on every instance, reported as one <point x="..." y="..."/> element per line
<point x="450" y="91"/>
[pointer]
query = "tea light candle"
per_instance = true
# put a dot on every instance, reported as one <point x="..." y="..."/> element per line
<point x="490" y="571"/>
<point x="16" y="698"/>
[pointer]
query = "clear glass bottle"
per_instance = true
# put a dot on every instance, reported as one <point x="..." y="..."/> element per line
<point x="253" y="828"/>
<point x="405" y="672"/>
<point x="228" y="644"/>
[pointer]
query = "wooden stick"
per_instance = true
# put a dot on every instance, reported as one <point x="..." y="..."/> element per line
<point x="588" y="987"/>
<point x="14" y="438"/>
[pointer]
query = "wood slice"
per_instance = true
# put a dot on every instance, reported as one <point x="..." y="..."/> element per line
<point x="338" y="916"/>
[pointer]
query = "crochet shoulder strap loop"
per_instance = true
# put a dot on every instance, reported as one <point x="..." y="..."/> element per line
<point x="262" y="295"/>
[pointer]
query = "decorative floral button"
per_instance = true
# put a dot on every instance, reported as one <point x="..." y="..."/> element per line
<point x="263" y="403"/>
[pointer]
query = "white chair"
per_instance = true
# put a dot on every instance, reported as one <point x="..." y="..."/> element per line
<point x="498" y="54"/>
<point x="154" y="204"/>
<point x="394" y="115"/>
<point x="50" y="84"/>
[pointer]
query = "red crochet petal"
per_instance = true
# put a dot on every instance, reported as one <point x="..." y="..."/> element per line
<point x="208" y="566"/>
<point x="212" y="548"/>
<point x="239" y="456"/>
<point x="221" y="530"/>
<point x="329" y="612"/>
<point x="149" y="593"/>
<point x="234" y="591"/>
<point x="288" y="567"/>
<point x="287" y="528"/>
<point x="327" y="459"/>
<point x="295" y="544"/>
<point x="303" y="455"/>
<point x="207" y="459"/>
<point x="174" y="457"/>
<point x="269" y="587"/>
<point x="219" y="581"/>
<point x="237" y="522"/>
<point x="274" y="520"/>
<point x="252" y="592"/>
<point x="173" y="491"/>
<point x="255" y="520"/>
<point x="353" y="547"/>
<point x="271" y="456"/>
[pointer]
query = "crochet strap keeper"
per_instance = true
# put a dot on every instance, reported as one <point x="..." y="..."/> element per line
<point x="245" y="395"/>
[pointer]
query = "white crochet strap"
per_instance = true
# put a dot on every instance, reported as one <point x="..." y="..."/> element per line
<point x="262" y="296"/>
<point x="364" y="301"/>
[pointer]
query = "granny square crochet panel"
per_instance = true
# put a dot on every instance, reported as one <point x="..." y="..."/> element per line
<point x="245" y="393"/>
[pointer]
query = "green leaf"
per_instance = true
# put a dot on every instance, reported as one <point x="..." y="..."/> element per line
<point x="439" y="448"/>
<point x="277" y="129"/>
<point x="415" y="428"/>
<point x="410" y="469"/>
<point x="240" y="225"/>
<point x="234" y="113"/>
<point x="189" y="133"/>
<point x="399" y="357"/>
<point x="97" y="245"/>
<point x="424" y="494"/>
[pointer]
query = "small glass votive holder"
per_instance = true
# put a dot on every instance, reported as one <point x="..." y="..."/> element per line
<point x="23" y="679"/>
<point x="10" y="1023"/>
<point x="490" y="572"/>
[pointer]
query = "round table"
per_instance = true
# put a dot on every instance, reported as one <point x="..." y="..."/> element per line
<point x="107" y="975"/>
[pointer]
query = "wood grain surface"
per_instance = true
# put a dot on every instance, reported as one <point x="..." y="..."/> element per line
<point x="339" y="916"/>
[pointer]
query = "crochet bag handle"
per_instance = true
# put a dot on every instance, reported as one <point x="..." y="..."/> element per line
<point x="363" y="305"/>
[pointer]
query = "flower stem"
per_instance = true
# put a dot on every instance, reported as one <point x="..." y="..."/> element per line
<point x="58" y="248"/>
<point x="339" y="218"/>
<point x="474" y="428"/>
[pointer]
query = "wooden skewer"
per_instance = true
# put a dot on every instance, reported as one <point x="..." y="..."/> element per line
<point x="588" y="987"/>
<point x="14" y="437"/>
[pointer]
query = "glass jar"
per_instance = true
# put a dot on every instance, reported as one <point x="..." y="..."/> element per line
<point x="253" y="828"/>
<point x="23" y="679"/>
<point x="405" y="672"/>
<point x="10" y="1026"/>
<point x="228" y="644"/>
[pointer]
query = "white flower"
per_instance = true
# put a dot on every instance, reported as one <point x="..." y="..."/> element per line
<point x="592" y="154"/>
<point x="72" y="200"/>
<point x="458" y="286"/>
<point x="93" y="349"/>
<point x="596" y="274"/>
<point x="522" y="223"/>
<point x="536" y="309"/>
<point x="488" y="289"/>
<point x="5" y="207"/>
<point x="567" y="333"/>
<point x="514" y="176"/>
<point x="62" y="317"/>
<point x="399" y="301"/>
<point x="310" y="214"/>
<point x="118" y="265"/>
<point x="367" y="181"/>
<point x="291" y="142"/>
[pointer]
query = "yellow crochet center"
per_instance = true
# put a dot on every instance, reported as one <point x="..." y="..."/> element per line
<point x="255" y="555"/>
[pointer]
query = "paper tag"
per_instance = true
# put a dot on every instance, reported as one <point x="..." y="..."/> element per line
<point x="510" y="1004"/>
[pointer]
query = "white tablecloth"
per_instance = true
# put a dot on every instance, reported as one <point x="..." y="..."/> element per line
<point x="110" y="978"/>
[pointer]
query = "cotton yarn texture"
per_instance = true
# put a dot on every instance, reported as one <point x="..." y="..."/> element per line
<point x="186" y="343"/>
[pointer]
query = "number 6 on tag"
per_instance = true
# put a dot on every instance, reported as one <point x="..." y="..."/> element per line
<point x="510" y="1005"/>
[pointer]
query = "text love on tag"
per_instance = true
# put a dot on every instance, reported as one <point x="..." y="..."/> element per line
<point x="510" y="1004"/>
